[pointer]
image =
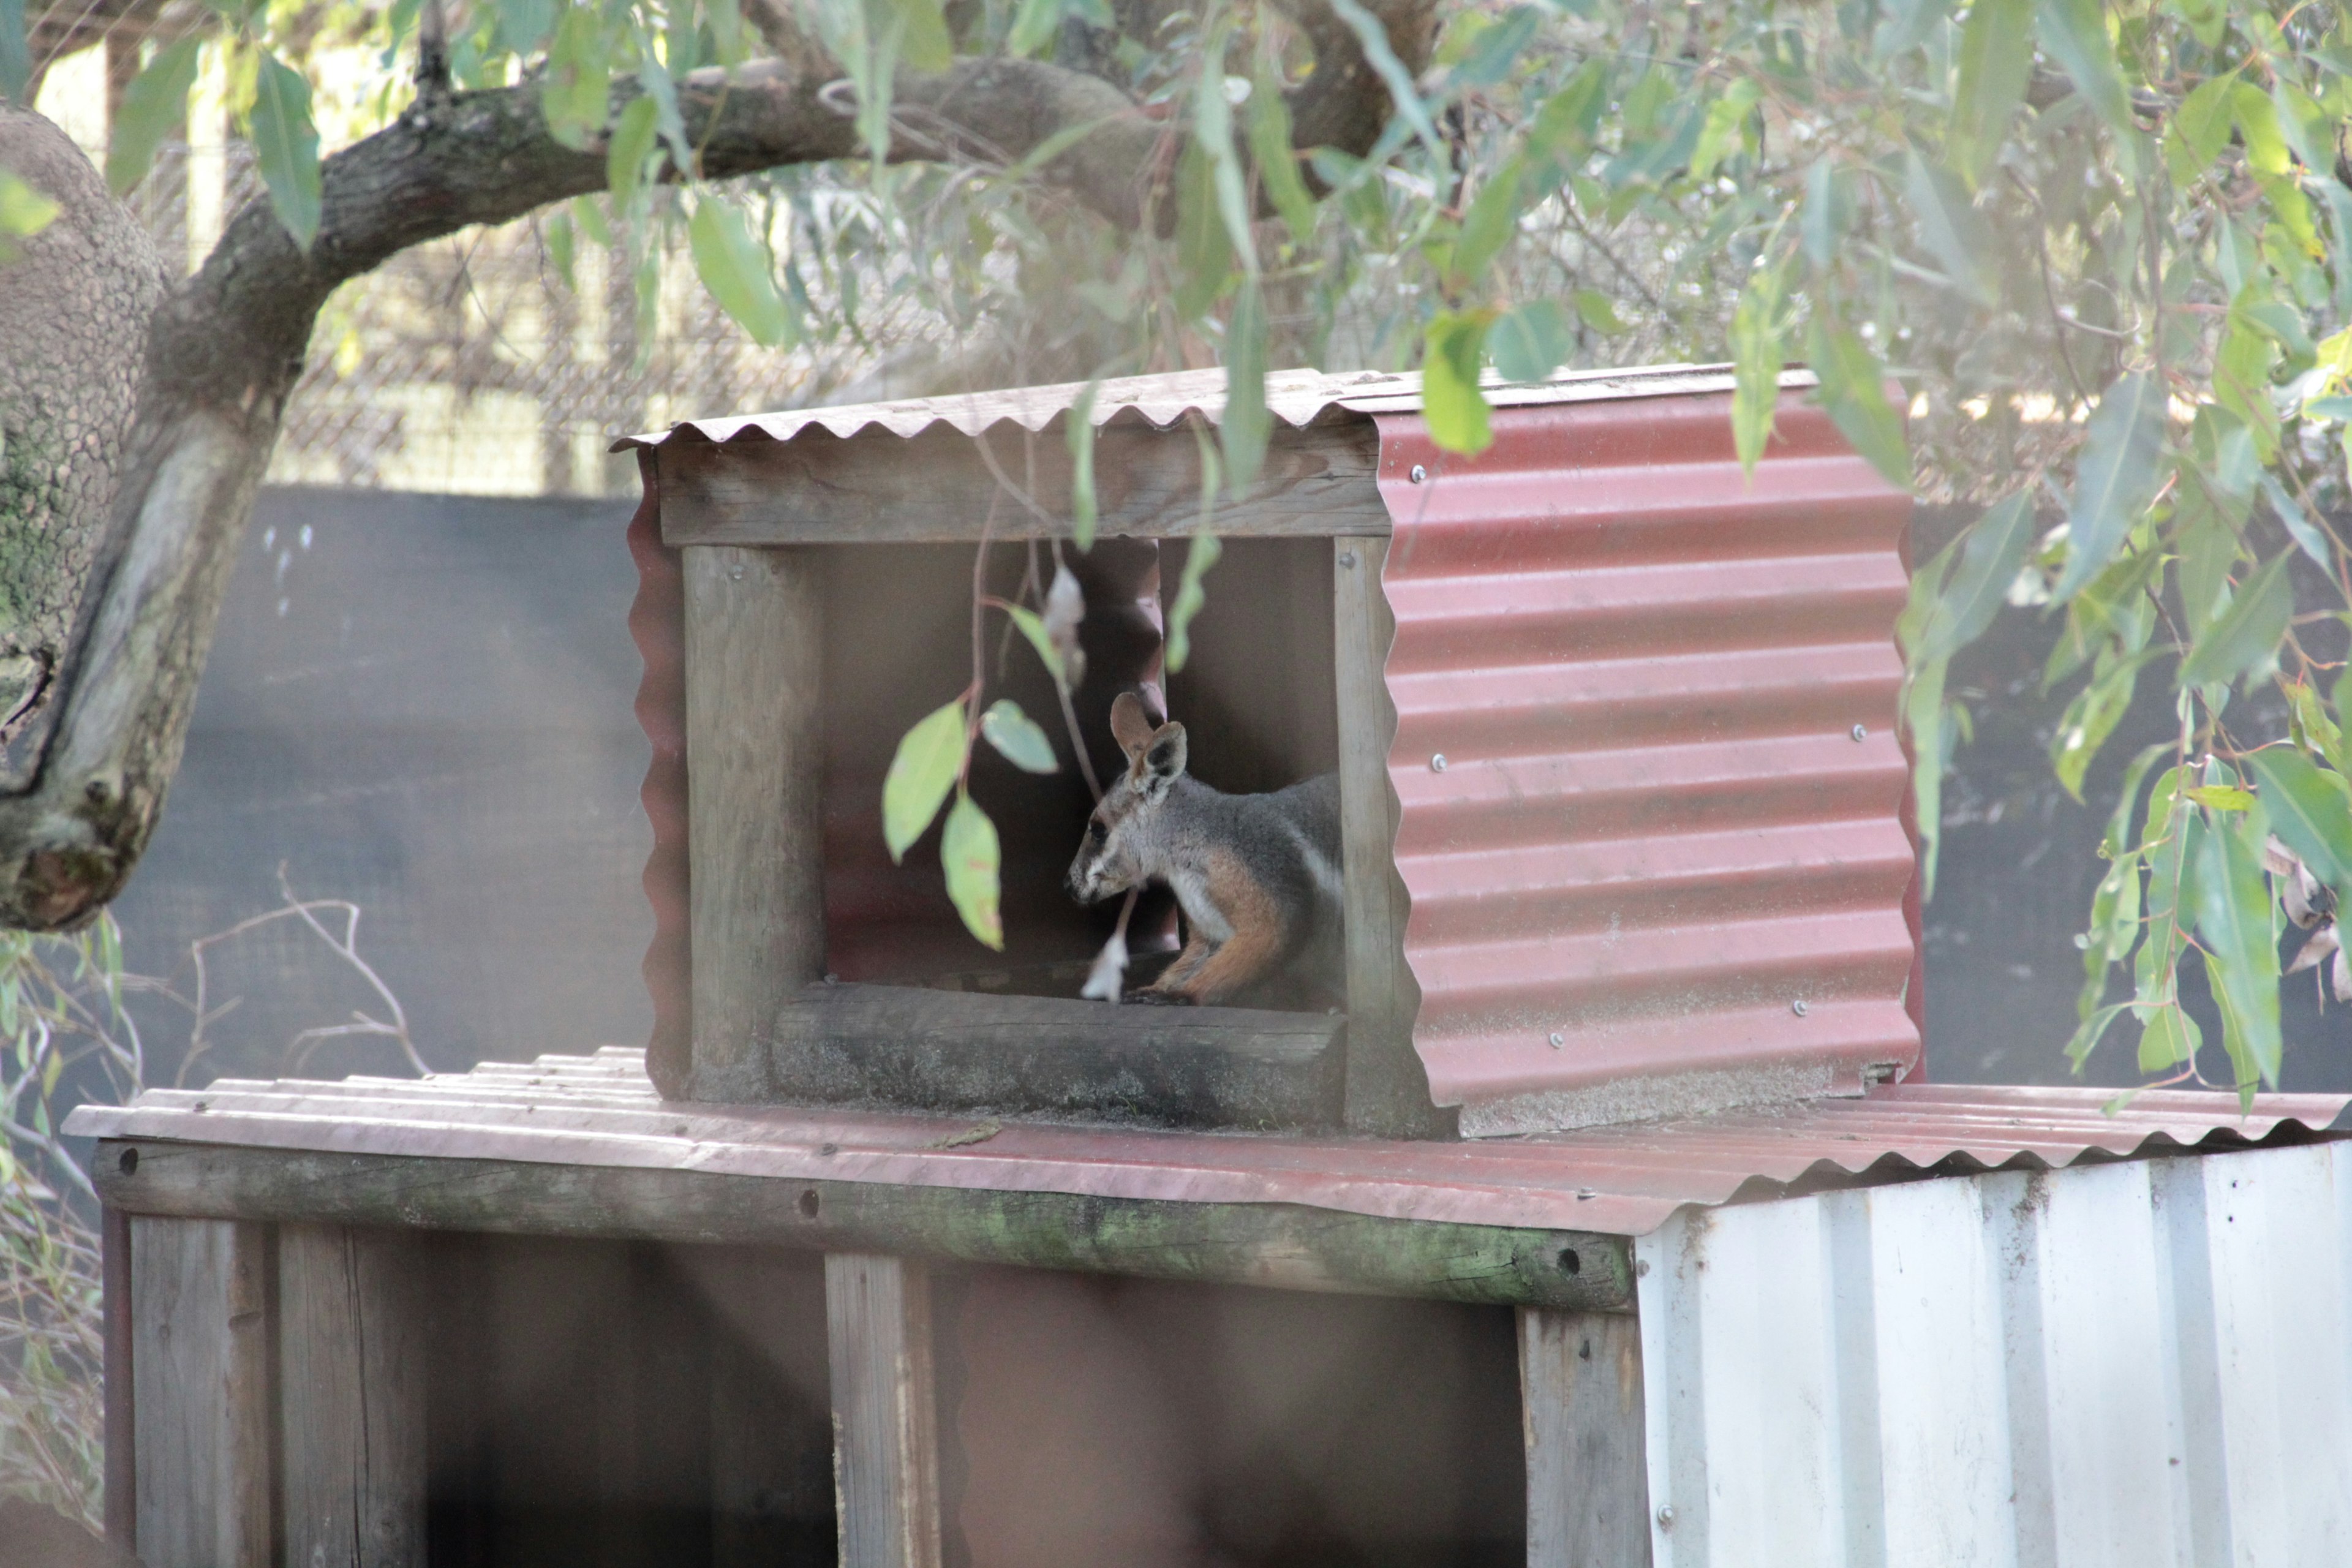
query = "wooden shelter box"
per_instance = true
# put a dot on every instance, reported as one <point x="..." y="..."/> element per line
<point x="1613" y="723"/>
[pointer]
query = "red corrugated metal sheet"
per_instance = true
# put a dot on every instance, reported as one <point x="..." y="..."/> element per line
<point x="657" y="623"/>
<point x="600" y="1111"/>
<point x="1662" y="863"/>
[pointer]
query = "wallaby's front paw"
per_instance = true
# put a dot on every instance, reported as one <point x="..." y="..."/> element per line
<point x="1151" y="997"/>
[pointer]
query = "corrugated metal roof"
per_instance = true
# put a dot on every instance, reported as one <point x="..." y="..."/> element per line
<point x="1295" y="397"/>
<point x="601" y="1110"/>
<point x="1647" y="762"/>
<point x="2138" y="1363"/>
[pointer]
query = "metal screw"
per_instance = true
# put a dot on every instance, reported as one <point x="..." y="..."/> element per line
<point x="1798" y="1007"/>
<point x="1347" y="558"/>
<point x="1419" y="473"/>
<point x="199" y="1105"/>
<point x="1586" y="1192"/>
<point x="1557" y="1040"/>
<point x="1665" y="1516"/>
<point x="734" y="573"/>
<point x="1437" y="764"/>
<point x="1861" y="733"/>
<point x="1640" y="1269"/>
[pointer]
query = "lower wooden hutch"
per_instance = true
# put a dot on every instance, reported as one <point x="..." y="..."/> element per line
<point x="537" y="1314"/>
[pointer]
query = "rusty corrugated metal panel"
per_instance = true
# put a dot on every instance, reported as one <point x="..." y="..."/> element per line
<point x="1656" y="870"/>
<point x="657" y="625"/>
<point x="1295" y="397"/>
<point x="600" y="1111"/>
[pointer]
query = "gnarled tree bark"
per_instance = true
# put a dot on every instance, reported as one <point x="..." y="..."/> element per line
<point x="221" y="354"/>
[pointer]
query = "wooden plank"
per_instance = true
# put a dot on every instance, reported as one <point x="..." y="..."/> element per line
<point x="1588" y="1478"/>
<point x="1387" y="1091"/>
<point x="1278" y="1245"/>
<point x="934" y="487"/>
<point x="899" y="1046"/>
<point x="114" y="1327"/>
<point x="885" y="1411"/>
<point x="352" y="1354"/>
<point x="200" y="1374"/>
<point x="754" y="735"/>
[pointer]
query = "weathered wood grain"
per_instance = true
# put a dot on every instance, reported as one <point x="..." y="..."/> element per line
<point x="1588" y="1478"/>
<point x="1387" y="1089"/>
<point x="886" y="1453"/>
<point x="754" y="738"/>
<point x="352" y="1398"/>
<point x="1281" y="1246"/>
<point x="121" y="1432"/>
<point x="934" y="487"/>
<point x="200" y="1306"/>
<point x="897" y="1046"/>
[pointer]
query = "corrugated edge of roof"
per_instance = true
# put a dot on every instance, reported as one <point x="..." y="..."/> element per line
<point x="1295" y="397"/>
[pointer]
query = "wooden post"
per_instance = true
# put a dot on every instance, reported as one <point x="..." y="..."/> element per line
<point x="199" y="1307"/>
<point x="352" y="1354"/>
<point x="886" y="1462"/>
<point x="1588" y="1471"/>
<point x="121" y="1430"/>
<point x="1387" y="1089"/>
<point x="755" y="742"/>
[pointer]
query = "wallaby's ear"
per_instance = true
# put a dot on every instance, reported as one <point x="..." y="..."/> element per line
<point x="1161" y="759"/>
<point x="1130" y="725"/>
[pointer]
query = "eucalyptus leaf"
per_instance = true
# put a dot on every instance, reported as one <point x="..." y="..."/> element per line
<point x="2309" y="809"/>
<point x="2075" y="33"/>
<point x="1078" y="427"/>
<point x="1853" y="389"/>
<point x="1033" y="626"/>
<point x="1246" y="425"/>
<point x="2234" y="920"/>
<point x="573" y="92"/>
<point x="970" y="855"/>
<point x="2245" y="633"/>
<point x="1277" y="161"/>
<point x="1755" y="365"/>
<point x="1950" y="228"/>
<point x="1993" y="548"/>
<point x="1993" y="71"/>
<point x="1017" y="738"/>
<point x="1923" y="720"/>
<point x="736" y="270"/>
<point x="1451" y="403"/>
<point x="1191" y="597"/>
<point x="2115" y="479"/>
<point x="1373" y="35"/>
<point x="16" y="53"/>
<point x="632" y="143"/>
<point x="153" y="106"/>
<point x="922" y="771"/>
<point x="2298" y="525"/>
<point x="2169" y="1039"/>
<point x="1531" y="341"/>
<point x="285" y="146"/>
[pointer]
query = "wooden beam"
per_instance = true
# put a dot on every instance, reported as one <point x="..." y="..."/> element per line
<point x="1278" y="1245"/>
<point x="199" y="1307"/>
<point x="934" y="487"/>
<point x="1588" y="1469"/>
<point x="352" y="1361"/>
<point x="908" y="1047"/>
<point x="121" y="1429"/>
<point x="886" y="1457"/>
<point x="754" y="738"/>
<point x="1387" y="1089"/>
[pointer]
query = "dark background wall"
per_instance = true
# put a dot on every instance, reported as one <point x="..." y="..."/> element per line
<point x="423" y="704"/>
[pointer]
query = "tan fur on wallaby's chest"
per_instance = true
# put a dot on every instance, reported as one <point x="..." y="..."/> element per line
<point x="1257" y="875"/>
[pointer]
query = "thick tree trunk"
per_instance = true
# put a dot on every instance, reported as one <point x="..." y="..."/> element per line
<point x="223" y="351"/>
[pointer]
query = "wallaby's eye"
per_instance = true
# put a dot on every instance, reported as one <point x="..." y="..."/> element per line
<point x="1096" y="832"/>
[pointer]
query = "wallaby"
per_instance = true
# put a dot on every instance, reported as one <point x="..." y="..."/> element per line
<point x="1257" y="875"/>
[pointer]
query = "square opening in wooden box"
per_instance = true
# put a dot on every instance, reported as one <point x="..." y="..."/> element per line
<point x="1621" y="808"/>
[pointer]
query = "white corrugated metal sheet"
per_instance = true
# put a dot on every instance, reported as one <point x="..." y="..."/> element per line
<point x="2138" y="1365"/>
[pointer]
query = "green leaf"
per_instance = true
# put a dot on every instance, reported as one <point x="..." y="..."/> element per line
<point x="2257" y="120"/>
<point x="1212" y="128"/>
<point x="1190" y="597"/>
<point x="2201" y="127"/>
<point x="2247" y="633"/>
<point x="572" y="94"/>
<point x="154" y="105"/>
<point x="1246" y="425"/>
<point x="1854" y="390"/>
<point x="1994" y="65"/>
<point x="1451" y="402"/>
<point x="924" y="44"/>
<point x="1530" y="340"/>
<point x="969" y="853"/>
<point x="559" y="246"/>
<point x="2075" y="33"/>
<point x="588" y="215"/>
<point x="735" y="268"/>
<point x="2091" y="718"/>
<point x="1598" y="311"/>
<point x="1486" y="227"/>
<point x="1826" y="214"/>
<point x="2087" y="1038"/>
<point x="15" y="54"/>
<point x="2234" y="920"/>
<point x="522" y="23"/>
<point x="1017" y="738"/>
<point x="1204" y="251"/>
<point x="1564" y="127"/>
<point x="1374" y="38"/>
<point x="1992" y="551"/>
<point x="1727" y="116"/>
<point x="1907" y="26"/>
<point x="1079" y="429"/>
<point x="2208" y="20"/>
<point x="24" y="213"/>
<point x="2169" y="1039"/>
<point x="1755" y="360"/>
<point x="285" y="145"/>
<point x="1923" y="719"/>
<point x="1950" y="229"/>
<point x="1034" y="27"/>
<point x="632" y="145"/>
<point x="2308" y="809"/>
<point x="2116" y="478"/>
<point x="1277" y="161"/>
<point x="1033" y="626"/>
<point x="924" y="769"/>
<point x="2220" y="797"/>
<point x="2298" y="525"/>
